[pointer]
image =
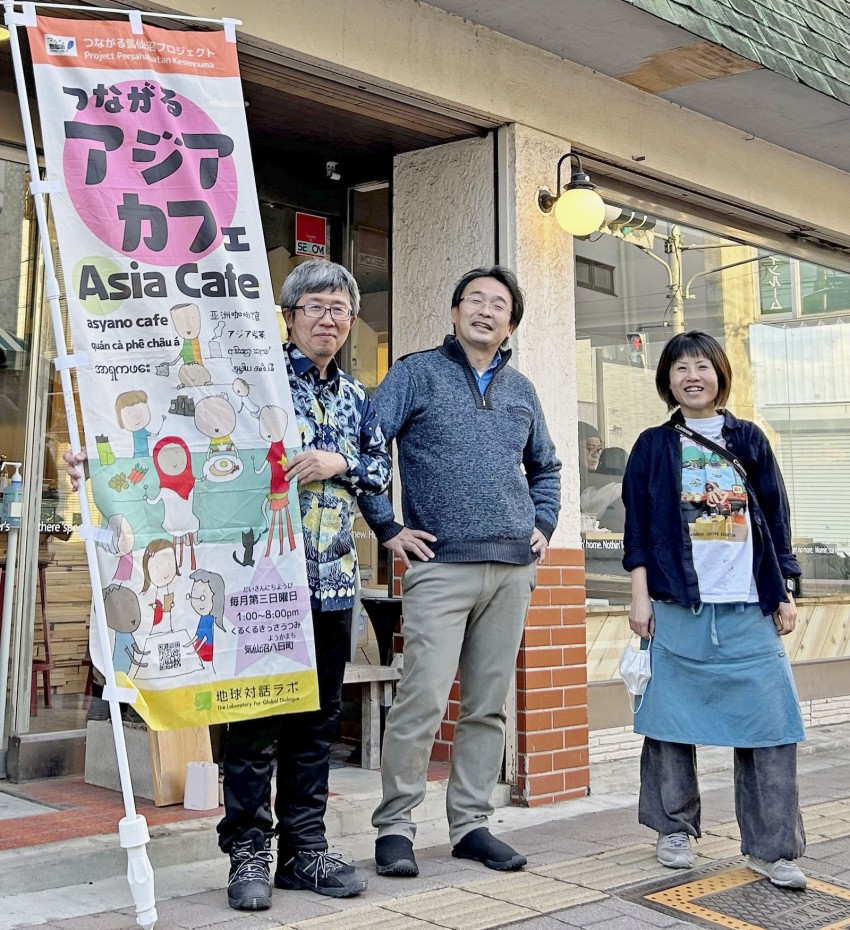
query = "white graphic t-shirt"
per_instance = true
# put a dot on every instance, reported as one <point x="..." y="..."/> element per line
<point x="716" y="506"/>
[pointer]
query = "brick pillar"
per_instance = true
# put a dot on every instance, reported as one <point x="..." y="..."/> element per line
<point x="552" y="736"/>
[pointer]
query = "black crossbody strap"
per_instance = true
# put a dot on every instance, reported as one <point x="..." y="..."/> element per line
<point x="709" y="444"/>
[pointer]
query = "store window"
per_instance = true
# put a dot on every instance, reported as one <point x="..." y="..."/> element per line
<point x="27" y="436"/>
<point x="785" y="324"/>
<point x="16" y="284"/>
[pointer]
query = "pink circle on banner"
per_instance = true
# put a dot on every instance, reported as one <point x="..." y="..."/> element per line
<point x="163" y="131"/>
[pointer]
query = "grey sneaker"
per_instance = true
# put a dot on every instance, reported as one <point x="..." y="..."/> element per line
<point x="674" y="850"/>
<point x="783" y="873"/>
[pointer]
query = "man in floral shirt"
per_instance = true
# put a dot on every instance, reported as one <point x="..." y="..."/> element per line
<point x="343" y="457"/>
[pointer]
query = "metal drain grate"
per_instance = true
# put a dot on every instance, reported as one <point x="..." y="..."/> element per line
<point x="739" y="899"/>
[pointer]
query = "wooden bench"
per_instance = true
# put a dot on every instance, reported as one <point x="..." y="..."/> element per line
<point x="376" y="691"/>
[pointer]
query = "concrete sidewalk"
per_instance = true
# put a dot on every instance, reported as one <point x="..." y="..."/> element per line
<point x="588" y="861"/>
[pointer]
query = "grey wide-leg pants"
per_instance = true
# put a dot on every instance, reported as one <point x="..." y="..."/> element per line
<point x="767" y="804"/>
<point x="457" y="616"/>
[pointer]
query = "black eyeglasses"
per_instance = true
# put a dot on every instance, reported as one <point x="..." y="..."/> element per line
<point x="317" y="311"/>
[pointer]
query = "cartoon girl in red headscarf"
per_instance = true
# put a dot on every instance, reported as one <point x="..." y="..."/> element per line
<point x="173" y="464"/>
<point x="273" y="421"/>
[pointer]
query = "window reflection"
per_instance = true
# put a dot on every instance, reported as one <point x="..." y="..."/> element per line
<point x="366" y="355"/>
<point x="785" y="324"/>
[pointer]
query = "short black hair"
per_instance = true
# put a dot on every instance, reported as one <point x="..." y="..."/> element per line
<point x="503" y="276"/>
<point x="587" y="431"/>
<point x="693" y="345"/>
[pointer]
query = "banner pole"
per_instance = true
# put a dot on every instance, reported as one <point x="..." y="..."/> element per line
<point x="133" y="828"/>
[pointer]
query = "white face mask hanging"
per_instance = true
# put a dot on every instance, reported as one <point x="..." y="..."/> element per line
<point x="636" y="670"/>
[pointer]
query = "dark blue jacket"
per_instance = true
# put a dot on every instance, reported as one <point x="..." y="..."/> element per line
<point x="656" y="533"/>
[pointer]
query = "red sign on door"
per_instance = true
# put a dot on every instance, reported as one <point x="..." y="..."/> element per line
<point x="311" y="235"/>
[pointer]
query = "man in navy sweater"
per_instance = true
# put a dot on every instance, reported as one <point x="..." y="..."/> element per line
<point x="480" y="497"/>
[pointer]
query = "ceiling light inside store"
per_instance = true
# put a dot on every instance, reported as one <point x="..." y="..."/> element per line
<point x="368" y="186"/>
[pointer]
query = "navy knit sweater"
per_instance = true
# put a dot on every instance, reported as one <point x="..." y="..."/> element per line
<point x="480" y="473"/>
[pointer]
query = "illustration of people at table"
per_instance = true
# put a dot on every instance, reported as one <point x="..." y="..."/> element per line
<point x="215" y="418"/>
<point x="134" y="415"/>
<point x="173" y="464"/>
<point x="159" y="569"/>
<point x="120" y="544"/>
<point x="170" y="651"/>
<point x="273" y="422"/>
<point x="207" y="600"/>
<point x="186" y="319"/>
<point x="124" y="617"/>
<point x="242" y="389"/>
<point x="187" y="323"/>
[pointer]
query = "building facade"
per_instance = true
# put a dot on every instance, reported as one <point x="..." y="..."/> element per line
<point x="422" y="134"/>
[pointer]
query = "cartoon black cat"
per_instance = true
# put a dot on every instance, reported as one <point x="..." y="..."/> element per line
<point x="249" y="540"/>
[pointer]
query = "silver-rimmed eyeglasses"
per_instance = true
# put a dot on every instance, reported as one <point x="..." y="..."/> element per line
<point x="475" y="303"/>
<point x="317" y="311"/>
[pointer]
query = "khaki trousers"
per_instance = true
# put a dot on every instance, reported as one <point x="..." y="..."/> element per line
<point x="457" y="616"/>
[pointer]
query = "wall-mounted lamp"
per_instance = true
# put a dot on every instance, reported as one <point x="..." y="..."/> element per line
<point x="579" y="210"/>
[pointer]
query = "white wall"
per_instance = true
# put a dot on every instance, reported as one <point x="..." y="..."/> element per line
<point x="443" y="226"/>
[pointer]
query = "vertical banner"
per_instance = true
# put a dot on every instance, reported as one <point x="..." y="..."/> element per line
<point x="184" y="392"/>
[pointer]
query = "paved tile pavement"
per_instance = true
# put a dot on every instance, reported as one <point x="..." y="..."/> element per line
<point x="583" y="855"/>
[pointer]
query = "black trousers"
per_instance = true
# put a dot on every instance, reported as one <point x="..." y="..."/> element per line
<point x="767" y="804"/>
<point x="299" y="745"/>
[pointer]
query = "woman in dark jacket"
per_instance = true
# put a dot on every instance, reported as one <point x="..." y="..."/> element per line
<point x="708" y="545"/>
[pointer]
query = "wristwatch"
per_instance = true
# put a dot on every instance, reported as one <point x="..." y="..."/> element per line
<point x="791" y="585"/>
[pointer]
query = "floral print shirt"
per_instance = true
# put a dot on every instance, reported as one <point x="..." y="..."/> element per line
<point x="335" y="415"/>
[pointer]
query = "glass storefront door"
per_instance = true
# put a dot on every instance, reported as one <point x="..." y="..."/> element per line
<point x="366" y="354"/>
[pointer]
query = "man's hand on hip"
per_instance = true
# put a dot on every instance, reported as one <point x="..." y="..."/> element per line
<point x="413" y="541"/>
<point x="539" y="544"/>
<point x="316" y="465"/>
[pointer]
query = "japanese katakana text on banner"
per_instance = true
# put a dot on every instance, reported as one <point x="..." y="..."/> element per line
<point x="185" y="399"/>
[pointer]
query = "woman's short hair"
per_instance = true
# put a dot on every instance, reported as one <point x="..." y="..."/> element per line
<point x="503" y="276"/>
<point x="693" y="345"/>
<point x="318" y="276"/>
